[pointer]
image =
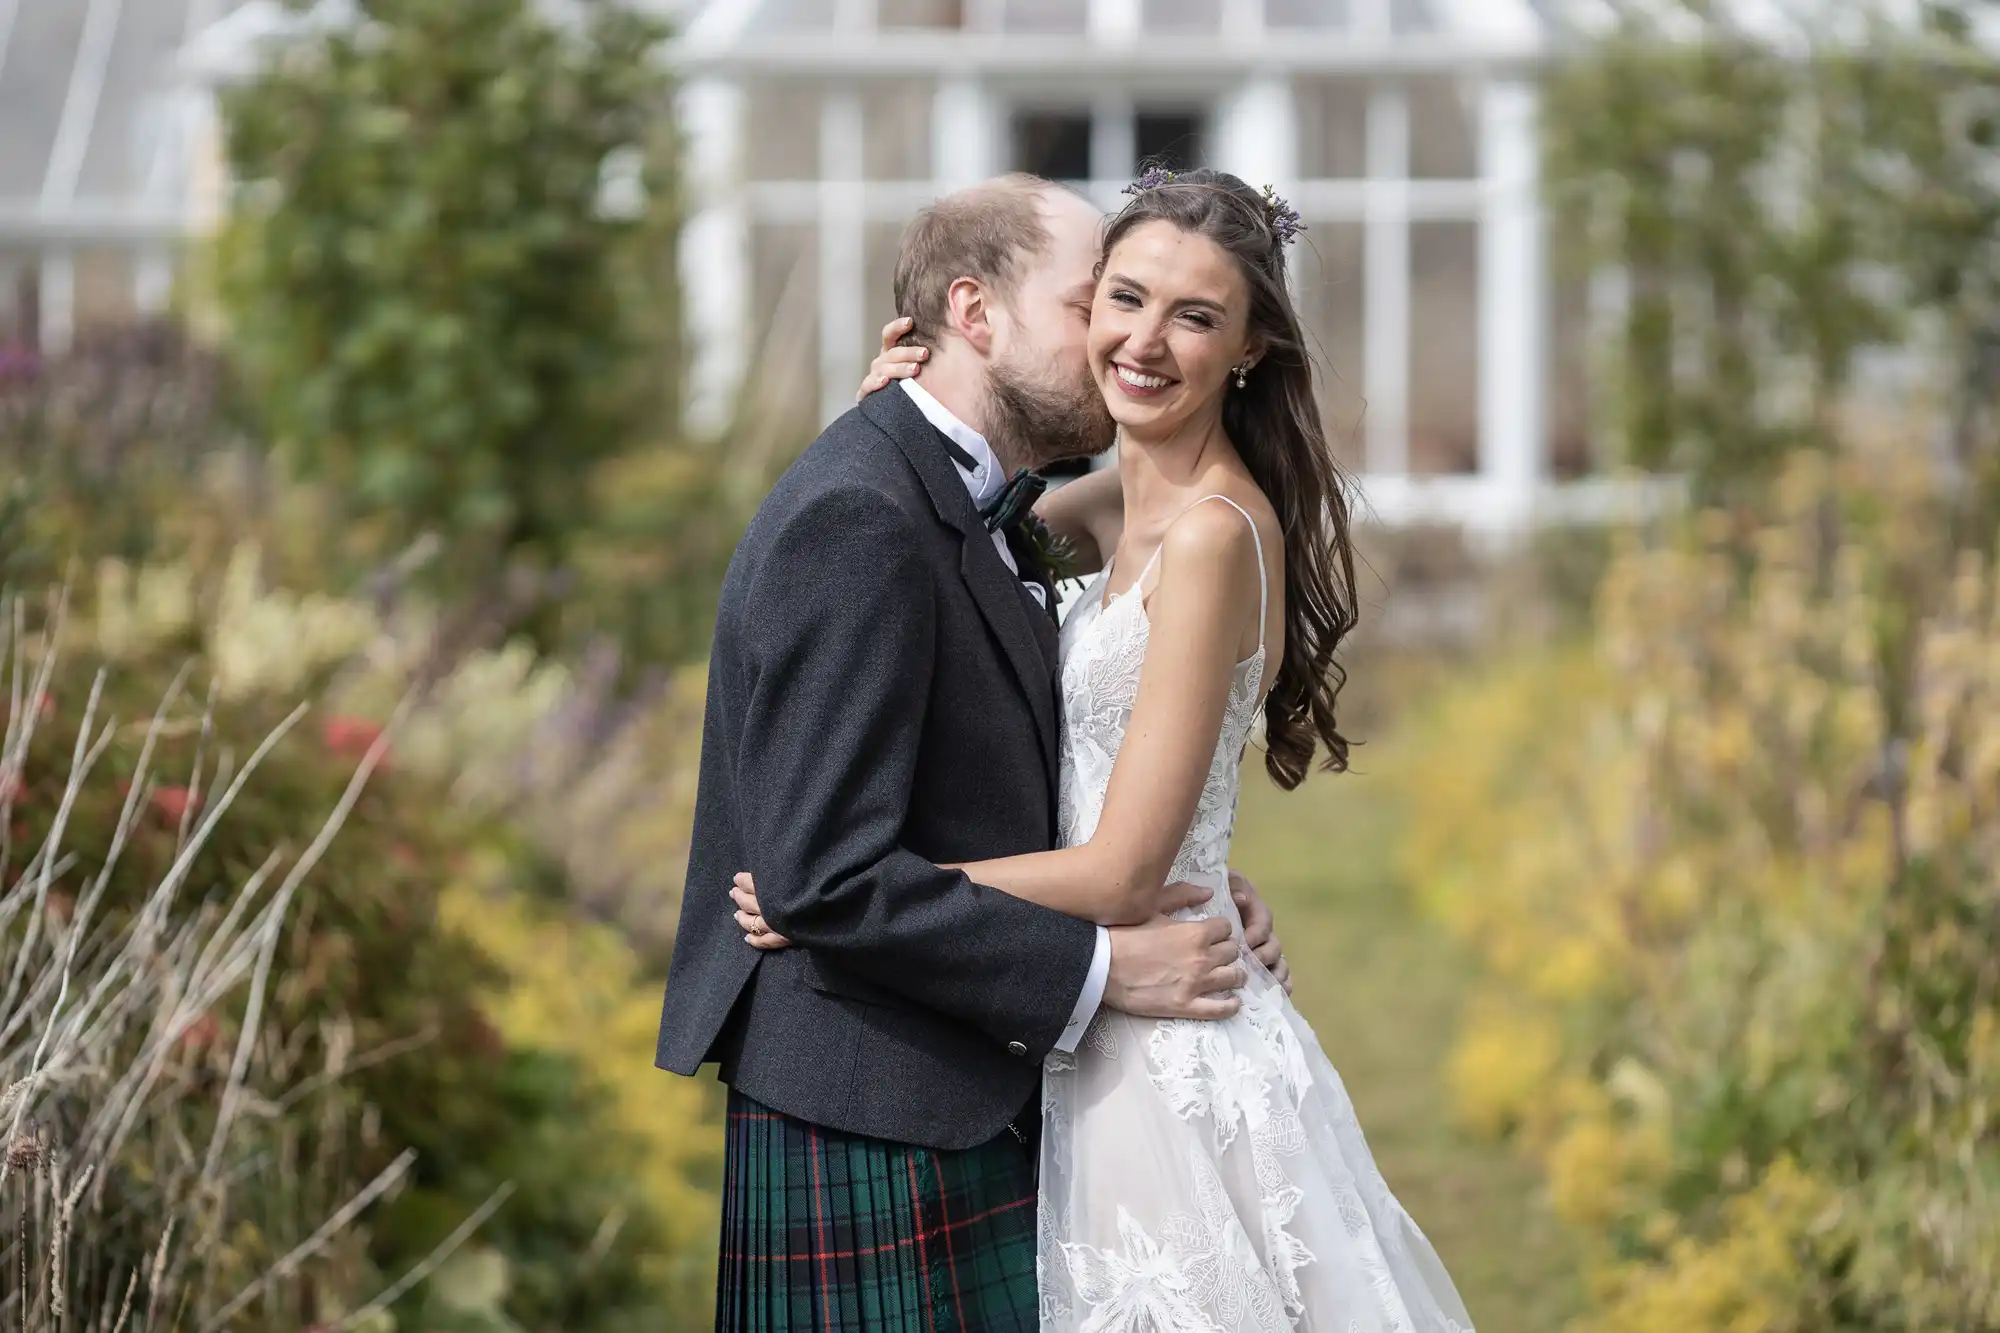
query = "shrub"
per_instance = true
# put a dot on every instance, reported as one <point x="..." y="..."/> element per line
<point x="1733" y="872"/>
<point x="447" y="275"/>
<point x="596" y="782"/>
<point x="110" y="449"/>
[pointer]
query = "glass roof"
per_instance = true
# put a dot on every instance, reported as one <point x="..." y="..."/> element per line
<point x="84" y="86"/>
<point x="1404" y="17"/>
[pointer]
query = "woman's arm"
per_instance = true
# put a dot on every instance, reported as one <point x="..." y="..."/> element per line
<point x="1260" y="935"/>
<point x="1088" y="513"/>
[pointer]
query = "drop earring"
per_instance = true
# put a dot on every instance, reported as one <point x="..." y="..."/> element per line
<point x="1242" y="372"/>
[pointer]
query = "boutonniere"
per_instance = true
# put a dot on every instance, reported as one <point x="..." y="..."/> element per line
<point x="1055" y="554"/>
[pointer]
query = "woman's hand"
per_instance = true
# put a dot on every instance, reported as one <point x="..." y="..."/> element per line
<point x="894" y="361"/>
<point x="756" y="933"/>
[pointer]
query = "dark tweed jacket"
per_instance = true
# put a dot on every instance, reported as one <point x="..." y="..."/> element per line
<point x="881" y="697"/>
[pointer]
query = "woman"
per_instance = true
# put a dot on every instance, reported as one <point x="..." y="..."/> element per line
<point x="1201" y="1175"/>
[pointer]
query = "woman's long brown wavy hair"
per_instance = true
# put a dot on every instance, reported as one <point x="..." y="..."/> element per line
<point x="1274" y="424"/>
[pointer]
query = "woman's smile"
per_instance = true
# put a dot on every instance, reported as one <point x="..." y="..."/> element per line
<point x="1138" y="383"/>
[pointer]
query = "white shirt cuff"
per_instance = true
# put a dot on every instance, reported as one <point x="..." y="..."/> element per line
<point x="1093" y="994"/>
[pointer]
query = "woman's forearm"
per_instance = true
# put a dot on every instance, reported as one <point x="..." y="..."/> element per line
<point x="1085" y="881"/>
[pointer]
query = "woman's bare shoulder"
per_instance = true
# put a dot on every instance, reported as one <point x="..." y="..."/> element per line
<point x="1209" y="528"/>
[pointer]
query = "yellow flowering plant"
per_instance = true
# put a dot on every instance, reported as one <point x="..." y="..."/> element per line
<point x="1733" y="866"/>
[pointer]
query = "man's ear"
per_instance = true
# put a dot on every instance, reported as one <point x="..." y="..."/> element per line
<point x="971" y="314"/>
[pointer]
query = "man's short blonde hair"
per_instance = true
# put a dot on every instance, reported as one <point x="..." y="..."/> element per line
<point x="987" y="232"/>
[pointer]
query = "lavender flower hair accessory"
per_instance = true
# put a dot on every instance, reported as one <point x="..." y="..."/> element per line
<point x="1152" y="178"/>
<point x="1283" y="219"/>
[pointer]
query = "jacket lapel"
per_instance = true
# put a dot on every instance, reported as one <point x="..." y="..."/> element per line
<point x="1001" y="600"/>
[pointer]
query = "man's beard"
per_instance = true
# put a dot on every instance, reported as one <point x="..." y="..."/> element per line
<point x="1037" y="422"/>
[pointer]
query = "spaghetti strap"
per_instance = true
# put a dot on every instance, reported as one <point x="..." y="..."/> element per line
<point x="1263" y="580"/>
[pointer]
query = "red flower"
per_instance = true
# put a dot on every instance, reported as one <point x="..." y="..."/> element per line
<point x="174" y="802"/>
<point x="199" y="1034"/>
<point x="352" y="736"/>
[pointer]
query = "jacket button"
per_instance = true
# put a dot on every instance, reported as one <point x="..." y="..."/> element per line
<point x="1017" y="1048"/>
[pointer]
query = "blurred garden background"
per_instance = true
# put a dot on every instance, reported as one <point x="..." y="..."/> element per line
<point x="383" y="386"/>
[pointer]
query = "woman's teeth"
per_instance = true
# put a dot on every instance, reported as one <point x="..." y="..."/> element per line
<point x="1138" y="381"/>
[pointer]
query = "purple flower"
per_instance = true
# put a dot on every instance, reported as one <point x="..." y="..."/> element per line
<point x="1285" y="221"/>
<point x="1152" y="178"/>
<point x="19" y="361"/>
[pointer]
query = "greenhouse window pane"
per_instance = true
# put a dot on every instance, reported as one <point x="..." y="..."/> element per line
<point x="1333" y="129"/>
<point x="784" y="282"/>
<point x="33" y="83"/>
<point x="781" y="133"/>
<point x="1182" y="16"/>
<point x="949" y="14"/>
<point x="1044" y="15"/>
<point x="1444" y="128"/>
<point x="897" y="120"/>
<point x="1569" y="379"/>
<point x="1313" y="14"/>
<point x="1055" y="144"/>
<point x="1171" y="139"/>
<point x="1444" y="347"/>
<point x="1328" y="261"/>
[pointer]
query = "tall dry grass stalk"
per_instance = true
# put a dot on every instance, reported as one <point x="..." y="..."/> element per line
<point x="149" y="1179"/>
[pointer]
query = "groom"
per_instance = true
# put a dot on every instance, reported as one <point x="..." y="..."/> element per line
<point x="882" y="699"/>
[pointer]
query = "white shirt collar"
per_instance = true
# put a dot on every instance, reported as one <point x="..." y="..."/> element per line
<point x="985" y="478"/>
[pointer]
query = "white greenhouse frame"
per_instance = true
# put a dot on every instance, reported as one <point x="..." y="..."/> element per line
<point x="1246" y="71"/>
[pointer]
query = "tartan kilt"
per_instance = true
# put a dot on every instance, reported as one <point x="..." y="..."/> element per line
<point x="825" y="1232"/>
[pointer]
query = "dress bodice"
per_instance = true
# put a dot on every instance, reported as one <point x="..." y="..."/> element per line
<point x="1103" y="651"/>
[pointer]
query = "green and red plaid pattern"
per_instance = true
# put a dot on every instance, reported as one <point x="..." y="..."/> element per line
<point x="824" y="1232"/>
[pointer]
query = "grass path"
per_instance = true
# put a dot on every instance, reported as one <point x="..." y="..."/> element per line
<point x="1382" y="988"/>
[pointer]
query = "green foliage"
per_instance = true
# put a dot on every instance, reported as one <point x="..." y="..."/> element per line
<point x="1776" y="213"/>
<point x="436" y="311"/>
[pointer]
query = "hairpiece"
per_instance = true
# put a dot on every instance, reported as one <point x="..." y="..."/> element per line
<point x="1284" y="219"/>
<point x="1280" y="216"/>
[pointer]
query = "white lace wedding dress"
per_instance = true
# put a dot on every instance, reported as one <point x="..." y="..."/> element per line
<point x="1207" y="1177"/>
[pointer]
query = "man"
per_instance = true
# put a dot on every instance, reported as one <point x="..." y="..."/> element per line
<point x="882" y="700"/>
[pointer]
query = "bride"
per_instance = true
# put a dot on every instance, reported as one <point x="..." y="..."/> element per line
<point x="1201" y="1176"/>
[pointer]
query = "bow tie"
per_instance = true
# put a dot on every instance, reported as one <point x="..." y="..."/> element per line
<point x="1015" y="499"/>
